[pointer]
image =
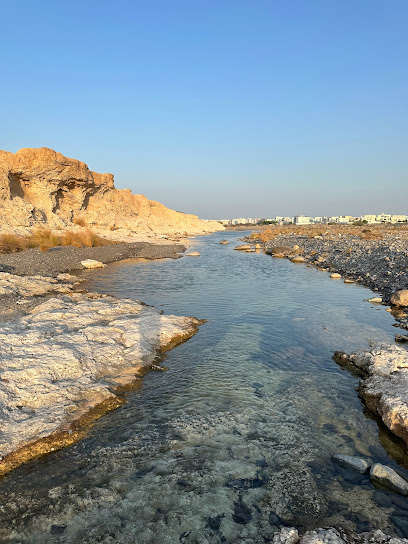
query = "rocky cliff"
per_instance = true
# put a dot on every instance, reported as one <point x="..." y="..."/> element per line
<point x="42" y="187"/>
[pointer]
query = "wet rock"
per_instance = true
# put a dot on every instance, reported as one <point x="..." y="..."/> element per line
<point x="57" y="529"/>
<point x="383" y="500"/>
<point x="402" y="523"/>
<point x="401" y="503"/>
<point x="193" y="254"/>
<point x="400" y="298"/>
<point x="375" y="300"/>
<point x="349" y="281"/>
<point x="387" y="477"/>
<point x="297" y="259"/>
<point x="91" y="263"/>
<point x="401" y="338"/>
<point x="286" y="535"/>
<point x="357" y="464"/>
<point x="273" y="518"/>
<point x="242" y="514"/>
<point x="335" y="276"/>
<point x="224" y="242"/>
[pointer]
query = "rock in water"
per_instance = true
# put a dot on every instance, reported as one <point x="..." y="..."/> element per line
<point x="243" y="247"/>
<point x="90" y="263"/>
<point x="335" y="276"/>
<point x="297" y="259"/>
<point x="400" y="298"/>
<point x="375" y="300"/>
<point x="387" y="477"/>
<point x="224" y="242"/>
<point x="193" y="254"/>
<point x="401" y="338"/>
<point x="353" y="463"/>
<point x="40" y="183"/>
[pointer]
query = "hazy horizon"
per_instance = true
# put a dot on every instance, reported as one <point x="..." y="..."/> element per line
<point x="233" y="109"/>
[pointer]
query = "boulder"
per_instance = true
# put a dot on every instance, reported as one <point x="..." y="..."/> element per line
<point x="352" y="463"/>
<point x="297" y="259"/>
<point x="193" y="254"/>
<point x="335" y="276"/>
<point x="243" y="247"/>
<point x="375" y="300"/>
<point x="90" y="263"/>
<point x="400" y="298"/>
<point x="388" y="478"/>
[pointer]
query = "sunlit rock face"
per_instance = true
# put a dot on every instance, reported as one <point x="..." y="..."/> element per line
<point x="42" y="187"/>
<point x="69" y="356"/>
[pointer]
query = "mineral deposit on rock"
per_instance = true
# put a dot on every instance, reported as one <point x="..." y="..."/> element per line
<point x="384" y="385"/>
<point x="67" y="357"/>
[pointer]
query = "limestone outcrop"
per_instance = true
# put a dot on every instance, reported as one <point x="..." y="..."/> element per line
<point x="63" y="362"/>
<point x="42" y="187"/>
<point x="384" y="383"/>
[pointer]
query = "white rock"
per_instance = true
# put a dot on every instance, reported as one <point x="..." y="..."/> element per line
<point x="69" y="354"/>
<point x="387" y="477"/>
<point x="91" y="263"/>
<point x="25" y="286"/>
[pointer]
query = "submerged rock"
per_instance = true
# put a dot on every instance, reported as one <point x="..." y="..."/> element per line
<point x="353" y="463"/>
<point x="193" y="254"/>
<point x="68" y="357"/>
<point x="388" y="478"/>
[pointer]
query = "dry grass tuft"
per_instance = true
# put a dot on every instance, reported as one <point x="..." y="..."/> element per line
<point x="80" y="221"/>
<point x="44" y="239"/>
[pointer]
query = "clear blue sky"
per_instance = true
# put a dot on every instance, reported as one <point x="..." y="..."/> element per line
<point x="222" y="108"/>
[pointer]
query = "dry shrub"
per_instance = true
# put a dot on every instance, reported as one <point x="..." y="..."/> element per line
<point x="44" y="239"/>
<point x="80" y="221"/>
<point x="10" y="243"/>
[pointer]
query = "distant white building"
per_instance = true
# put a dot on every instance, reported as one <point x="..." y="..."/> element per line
<point x="301" y="220"/>
<point x="369" y="218"/>
<point x="384" y="218"/>
<point x="398" y="218"/>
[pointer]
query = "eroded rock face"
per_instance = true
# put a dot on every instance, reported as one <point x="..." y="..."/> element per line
<point x="41" y="186"/>
<point x="68" y="356"/>
<point x="384" y="385"/>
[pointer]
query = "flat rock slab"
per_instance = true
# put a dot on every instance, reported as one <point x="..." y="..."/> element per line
<point x="193" y="254"/>
<point x="27" y="286"/>
<point x="243" y="247"/>
<point x="388" y="478"/>
<point x="69" y="355"/>
<point x="356" y="464"/>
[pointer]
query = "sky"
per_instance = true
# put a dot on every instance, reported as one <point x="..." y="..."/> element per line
<point x="222" y="108"/>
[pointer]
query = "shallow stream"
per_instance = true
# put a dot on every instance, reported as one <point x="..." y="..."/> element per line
<point x="235" y="439"/>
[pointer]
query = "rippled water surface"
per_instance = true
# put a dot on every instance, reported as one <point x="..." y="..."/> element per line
<point x="235" y="439"/>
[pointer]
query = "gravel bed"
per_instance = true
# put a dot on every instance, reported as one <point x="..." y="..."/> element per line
<point x="65" y="259"/>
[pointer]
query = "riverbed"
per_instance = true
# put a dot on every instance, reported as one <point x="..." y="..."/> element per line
<point x="235" y="438"/>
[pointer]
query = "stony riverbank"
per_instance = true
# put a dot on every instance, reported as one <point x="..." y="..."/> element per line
<point x="58" y="260"/>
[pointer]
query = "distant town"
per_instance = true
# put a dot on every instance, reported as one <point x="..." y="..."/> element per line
<point x="306" y="220"/>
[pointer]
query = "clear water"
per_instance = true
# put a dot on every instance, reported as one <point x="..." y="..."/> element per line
<point x="235" y="439"/>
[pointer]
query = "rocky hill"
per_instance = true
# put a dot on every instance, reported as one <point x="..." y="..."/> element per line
<point x="42" y="187"/>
